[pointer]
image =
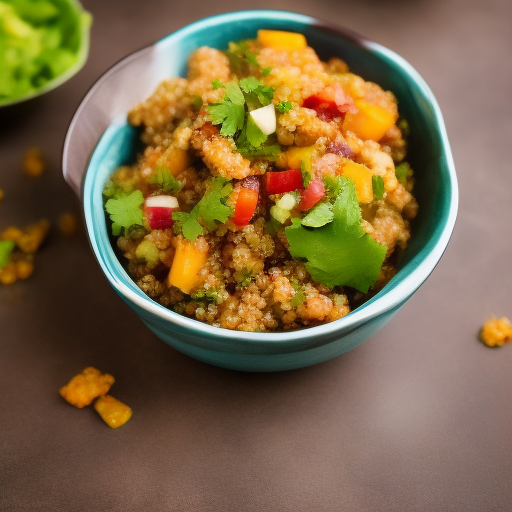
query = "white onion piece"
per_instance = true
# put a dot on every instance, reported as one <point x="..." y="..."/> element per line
<point x="265" y="119"/>
<point x="162" y="202"/>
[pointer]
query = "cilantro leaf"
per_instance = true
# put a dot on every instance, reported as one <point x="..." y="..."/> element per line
<point x="284" y="106"/>
<point x="269" y="152"/>
<point x="165" y="180"/>
<point x="249" y="84"/>
<point x="6" y="248"/>
<point x="207" y="212"/>
<point x="339" y="253"/>
<point x="230" y="112"/>
<point x="266" y="71"/>
<point x="197" y="102"/>
<point x="217" y="84"/>
<point x="234" y="94"/>
<point x="254" y="135"/>
<point x="377" y="186"/>
<point x="241" y="58"/>
<point x="319" y="216"/>
<point x="125" y="211"/>
<point x="299" y="296"/>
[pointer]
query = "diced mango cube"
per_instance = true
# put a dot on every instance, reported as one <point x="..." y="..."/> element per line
<point x="83" y="388"/>
<point x="362" y="177"/>
<point x="295" y="155"/>
<point x="189" y="259"/>
<point x="113" y="412"/>
<point x="281" y="40"/>
<point x="175" y="160"/>
<point x="371" y="121"/>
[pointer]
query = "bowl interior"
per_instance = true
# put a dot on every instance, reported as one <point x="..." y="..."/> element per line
<point x="429" y="152"/>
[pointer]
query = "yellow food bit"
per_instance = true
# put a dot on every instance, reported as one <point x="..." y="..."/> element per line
<point x="113" y="412"/>
<point x="68" y="224"/>
<point x="33" y="163"/>
<point x="2" y="195"/>
<point x="281" y="40"/>
<point x="34" y="236"/>
<point x="295" y="156"/>
<point x="8" y="274"/>
<point x="188" y="261"/>
<point x="83" y="388"/>
<point x="175" y="160"/>
<point x="371" y="121"/>
<point x="362" y="177"/>
<point x="496" y="332"/>
<point x="24" y="269"/>
<point x="11" y="233"/>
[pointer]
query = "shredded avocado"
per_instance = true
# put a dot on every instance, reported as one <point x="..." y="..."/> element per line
<point x="39" y="41"/>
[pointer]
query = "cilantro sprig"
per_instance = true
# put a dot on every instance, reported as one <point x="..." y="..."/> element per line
<point x="125" y="211"/>
<point x="6" y="248"/>
<point x="339" y="253"/>
<point x="212" y="208"/>
<point x="165" y="181"/>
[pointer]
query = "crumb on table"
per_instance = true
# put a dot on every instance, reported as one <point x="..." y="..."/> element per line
<point x="496" y="332"/>
<point x="68" y="223"/>
<point x="83" y="388"/>
<point x="113" y="412"/>
<point x="33" y="163"/>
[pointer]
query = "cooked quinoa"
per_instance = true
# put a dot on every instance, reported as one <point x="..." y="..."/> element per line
<point x="273" y="192"/>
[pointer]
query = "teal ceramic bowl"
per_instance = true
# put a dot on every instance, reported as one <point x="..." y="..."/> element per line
<point x="99" y="140"/>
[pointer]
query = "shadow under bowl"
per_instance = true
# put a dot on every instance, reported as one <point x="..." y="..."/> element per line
<point x="99" y="140"/>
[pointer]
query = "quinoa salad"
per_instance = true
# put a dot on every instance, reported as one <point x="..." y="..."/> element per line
<point x="273" y="192"/>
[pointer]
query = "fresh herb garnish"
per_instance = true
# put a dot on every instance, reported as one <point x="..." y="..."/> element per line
<point x="284" y="106"/>
<point x="241" y="58"/>
<point x="340" y="252"/>
<point x="125" y="211"/>
<point x="243" y="277"/>
<point x="6" y="248"/>
<point x="318" y="216"/>
<point x="269" y="152"/>
<point x="402" y="171"/>
<point x="230" y="112"/>
<point x="207" y="212"/>
<point x="266" y="71"/>
<point x="378" y="186"/>
<point x="217" y="84"/>
<point x="165" y="180"/>
<point x="306" y="174"/>
<point x="197" y="102"/>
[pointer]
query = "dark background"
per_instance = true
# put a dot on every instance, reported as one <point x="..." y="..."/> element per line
<point x="418" y="418"/>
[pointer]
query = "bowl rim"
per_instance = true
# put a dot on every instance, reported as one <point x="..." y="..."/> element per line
<point x="386" y="300"/>
<point x="82" y="54"/>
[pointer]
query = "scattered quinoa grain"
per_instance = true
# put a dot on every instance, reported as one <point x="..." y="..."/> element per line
<point x="68" y="224"/>
<point x="11" y="233"/>
<point x="24" y="269"/>
<point x="8" y="274"/>
<point x="33" y="163"/>
<point x="496" y="332"/>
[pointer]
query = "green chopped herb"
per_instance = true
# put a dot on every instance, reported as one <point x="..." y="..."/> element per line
<point x="249" y="84"/>
<point x="402" y="171"/>
<point x="165" y="180"/>
<point x="6" y="248"/>
<point x="210" y="295"/>
<point x="403" y="124"/>
<point x="318" y="216"/>
<point x="269" y="152"/>
<point x="340" y="252"/>
<point x="243" y="277"/>
<point x="125" y="211"/>
<point x="114" y="190"/>
<point x="207" y="212"/>
<point x="299" y="296"/>
<point x="266" y="71"/>
<point x="197" y="102"/>
<point x="241" y="58"/>
<point x="230" y="112"/>
<point x="306" y="174"/>
<point x="378" y="186"/>
<point x="332" y="186"/>
<point x="284" y="106"/>
<point x="217" y="84"/>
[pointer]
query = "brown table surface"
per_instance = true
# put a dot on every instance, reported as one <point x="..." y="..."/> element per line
<point x="418" y="418"/>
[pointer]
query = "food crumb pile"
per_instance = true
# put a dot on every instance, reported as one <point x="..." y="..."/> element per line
<point x="496" y="332"/>
<point x="92" y="385"/>
<point x="273" y="192"/>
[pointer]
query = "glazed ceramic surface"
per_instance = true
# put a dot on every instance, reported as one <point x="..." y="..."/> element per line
<point x="99" y="140"/>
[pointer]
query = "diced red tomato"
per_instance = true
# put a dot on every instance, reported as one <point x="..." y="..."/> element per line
<point x="313" y="193"/>
<point x="330" y="103"/>
<point x="245" y="205"/>
<point x="284" y="181"/>
<point x="159" y="210"/>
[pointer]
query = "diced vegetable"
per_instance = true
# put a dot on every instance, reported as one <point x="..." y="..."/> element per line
<point x="287" y="202"/>
<point x="294" y="157"/>
<point x="147" y="251"/>
<point x="265" y="118"/>
<point x="159" y="210"/>
<point x="313" y="193"/>
<point x="177" y="160"/>
<point x="281" y="40"/>
<point x="362" y="177"/>
<point x="284" y="181"/>
<point x="371" y="121"/>
<point x="188" y="261"/>
<point x="279" y="214"/>
<point x="245" y="205"/>
<point x="330" y="103"/>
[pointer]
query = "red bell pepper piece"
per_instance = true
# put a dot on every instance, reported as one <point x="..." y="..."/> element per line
<point x="330" y="103"/>
<point x="283" y="181"/>
<point x="312" y="194"/>
<point x="245" y="205"/>
<point x="159" y="217"/>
